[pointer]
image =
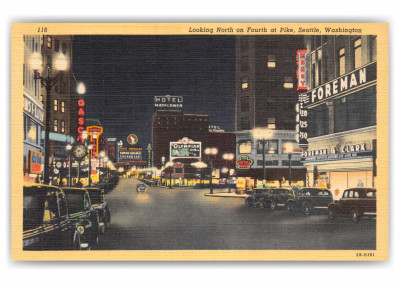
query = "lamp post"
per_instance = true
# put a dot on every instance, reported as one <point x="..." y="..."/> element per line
<point x="170" y="165"/>
<point x="289" y="149"/>
<point x="90" y="147"/>
<point x="199" y="165"/>
<point x="105" y="161"/>
<point x="69" y="148"/>
<point x="262" y="135"/>
<point x="36" y="64"/>
<point x="229" y="158"/>
<point x="211" y="153"/>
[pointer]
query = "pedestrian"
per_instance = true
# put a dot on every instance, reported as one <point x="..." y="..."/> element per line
<point x="360" y="183"/>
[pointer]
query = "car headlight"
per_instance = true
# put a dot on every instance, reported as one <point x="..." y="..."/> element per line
<point x="80" y="230"/>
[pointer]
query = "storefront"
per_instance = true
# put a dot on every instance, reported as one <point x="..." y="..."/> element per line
<point x="342" y="160"/>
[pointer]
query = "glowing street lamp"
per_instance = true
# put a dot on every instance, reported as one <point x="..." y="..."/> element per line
<point x="211" y="153"/>
<point x="61" y="64"/>
<point x="229" y="158"/>
<point x="170" y="165"/>
<point x="69" y="148"/>
<point x="90" y="148"/>
<point x="262" y="135"/>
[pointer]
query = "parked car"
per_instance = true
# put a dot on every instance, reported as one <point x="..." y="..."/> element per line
<point x="83" y="215"/>
<point x="253" y="200"/>
<point x="276" y="198"/>
<point x="99" y="203"/>
<point x="141" y="187"/>
<point x="309" y="200"/>
<point x="46" y="225"/>
<point x="356" y="203"/>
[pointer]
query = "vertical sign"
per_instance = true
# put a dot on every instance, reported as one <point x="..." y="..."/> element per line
<point x="301" y="110"/>
<point x="95" y="132"/>
<point x="301" y="70"/>
<point x="81" y="120"/>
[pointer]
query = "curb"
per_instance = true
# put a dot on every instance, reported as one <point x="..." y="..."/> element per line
<point x="225" y="195"/>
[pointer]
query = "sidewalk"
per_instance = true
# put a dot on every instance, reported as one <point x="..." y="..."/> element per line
<point x="226" y="194"/>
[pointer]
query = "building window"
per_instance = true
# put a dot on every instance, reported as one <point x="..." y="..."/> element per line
<point x="41" y="40"/>
<point x="271" y="146"/>
<point x="318" y="121"/>
<point x="245" y="123"/>
<point x="318" y="75"/>
<point x="268" y="163"/>
<point x="178" y="170"/>
<point x="49" y="41"/>
<point x="62" y="106"/>
<point x="62" y="126"/>
<point x="31" y="130"/>
<point x="55" y="125"/>
<point x="313" y="69"/>
<point x="245" y="147"/>
<point x="245" y="83"/>
<point x="271" y="62"/>
<point x="64" y="48"/>
<point x="372" y="43"/>
<point x="288" y="82"/>
<point x="357" y="53"/>
<point x="356" y="110"/>
<point x="55" y="105"/>
<point x="56" y="45"/>
<point x="342" y="61"/>
<point x="271" y="123"/>
<point x="244" y="104"/>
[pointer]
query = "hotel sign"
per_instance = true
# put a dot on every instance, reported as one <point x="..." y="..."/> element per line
<point x="342" y="84"/>
<point x="168" y="101"/>
<point x="185" y="148"/>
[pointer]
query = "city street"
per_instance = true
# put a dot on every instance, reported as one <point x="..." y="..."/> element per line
<point x="185" y="219"/>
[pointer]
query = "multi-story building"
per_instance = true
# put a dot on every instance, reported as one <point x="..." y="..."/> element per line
<point x="33" y="115"/>
<point x="63" y="96"/>
<point x="266" y="97"/>
<point x="341" y="108"/>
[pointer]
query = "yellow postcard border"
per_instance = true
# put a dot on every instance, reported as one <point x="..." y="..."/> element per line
<point x="379" y="29"/>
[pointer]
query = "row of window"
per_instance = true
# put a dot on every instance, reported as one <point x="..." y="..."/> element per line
<point x="245" y="120"/>
<point x="49" y="44"/>
<point x="271" y="82"/>
<point x="285" y="163"/>
<point x="32" y="131"/>
<point x="62" y="126"/>
<point x="354" y="111"/>
<point x="56" y="107"/>
<point x="271" y="146"/>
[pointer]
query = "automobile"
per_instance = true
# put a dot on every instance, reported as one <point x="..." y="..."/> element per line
<point x="310" y="200"/>
<point x="253" y="200"/>
<point x="356" y="203"/>
<point x="99" y="203"/>
<point x="83" y="215"/>
<point x="276" y="198"/>
<point x="141" y="187"/>
<point x="46" y="225"/>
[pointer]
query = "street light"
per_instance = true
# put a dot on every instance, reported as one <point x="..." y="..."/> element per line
<point x="211" y="153"/>
<point x="60" y="65"/>
<point x="262" y="135"/>
<point x="170" y="166"/>
<point x="289" y="149"/>
<point x="199" y="165"/>
<point x="90" y="147"/>
<point x="229" y="158"/>
<point x="69" y="148"/>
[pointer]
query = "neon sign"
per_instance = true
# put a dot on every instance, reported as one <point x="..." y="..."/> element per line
<point x="81" y="120"/>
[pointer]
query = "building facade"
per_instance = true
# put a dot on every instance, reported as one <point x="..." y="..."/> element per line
<point x="33" y="115"/>
<point x="341" y="111"/>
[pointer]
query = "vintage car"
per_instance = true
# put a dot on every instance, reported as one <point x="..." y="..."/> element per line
<point x="83" y="215"/>
<point x="99" y="203"/>
<point x="356" y="203"/>
<point x="309" y="200"/>
<point x="141" y="187"/>
<point x="276" y="198"/>
<point x="46" y="225"/>
<point x="253" y="200"/>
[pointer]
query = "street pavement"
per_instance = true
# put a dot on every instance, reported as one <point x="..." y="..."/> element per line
<point x="186" y="219"/>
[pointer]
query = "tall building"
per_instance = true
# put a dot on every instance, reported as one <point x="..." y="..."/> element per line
<point x="33" y="115"/>
<point x="341" y="111"/>
<point x="266" y="98"/>
<point x="63" y="98"/>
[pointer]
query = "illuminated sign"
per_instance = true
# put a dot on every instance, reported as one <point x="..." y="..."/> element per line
<point x="35" y="162"/>
<point x="168" y="101"/>
<point x="302" y="119"/>
<point x="81" y="120"/>
<point x="185" y="148"/>
<point x="132" y="139"/>
<point x="94" y="132"/>
<point x="301" y="70"/>
<point x="34" y="110"/>
<point x="337" y="152"/>
<point x="130" y="153"/>
<point x="244" y="162"/>
<point x="215" y="128"/>
<point x="342" y="84"/>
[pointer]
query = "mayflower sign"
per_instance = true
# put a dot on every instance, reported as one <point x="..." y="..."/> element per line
<point x="168" y="101"/>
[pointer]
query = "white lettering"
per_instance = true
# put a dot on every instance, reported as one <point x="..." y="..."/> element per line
<point x="320" y="93"/>
<point x="327" y="90"/>
<point x="334" y="87"/>
<point x="353" y="80"/>
<point x="363" y="75"/>
<point x="313" y="95"/>
<point x="343" y="84"/>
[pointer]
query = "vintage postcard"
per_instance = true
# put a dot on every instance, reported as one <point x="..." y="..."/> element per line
<point x="200" y="141"/>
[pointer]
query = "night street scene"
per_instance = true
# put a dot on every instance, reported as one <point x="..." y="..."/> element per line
<point x="200" y="142"/>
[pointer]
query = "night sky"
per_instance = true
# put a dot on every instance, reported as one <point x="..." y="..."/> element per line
<point x="122" y="75"/>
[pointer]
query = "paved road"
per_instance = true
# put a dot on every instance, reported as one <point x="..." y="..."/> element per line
<point x="185" y="219"/>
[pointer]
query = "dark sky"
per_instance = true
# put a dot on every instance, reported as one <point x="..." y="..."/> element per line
<point x="122" y="75"/>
